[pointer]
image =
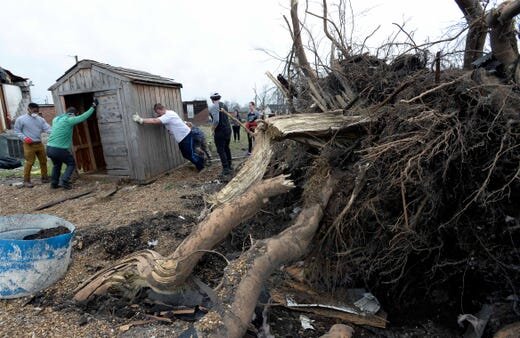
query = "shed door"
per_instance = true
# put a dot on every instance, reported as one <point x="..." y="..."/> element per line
<point x="87" y="147"/>
<point x="111" y="130"/>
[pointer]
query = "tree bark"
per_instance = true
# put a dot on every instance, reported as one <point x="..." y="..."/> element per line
<point x="298" y="45"/>
<point x="476" y="37"/>
<point x="502" y="36"/>
<point x="165" y="274"/>
<point x="255" y="266"/>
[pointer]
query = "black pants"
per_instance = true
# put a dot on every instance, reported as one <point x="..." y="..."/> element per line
<point x="222" y="140"/>
<point x="236" y="133"/>
<point x="249" y="142"/>
<point x="59" y="157"/>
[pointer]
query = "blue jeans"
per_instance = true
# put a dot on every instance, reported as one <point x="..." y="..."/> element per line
<point x="186" y="147"/>
<point x="60" y="156"/>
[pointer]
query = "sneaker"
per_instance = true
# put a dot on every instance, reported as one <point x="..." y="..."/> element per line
<point x="28" y="185"/>
<point x="66" y="186"/>
<point x="45" y="180"/>
<point x="226" y="172"/>
<point x="54" y="186"/>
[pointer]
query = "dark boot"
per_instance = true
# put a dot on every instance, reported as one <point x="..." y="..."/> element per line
<point x="66" y="185"/>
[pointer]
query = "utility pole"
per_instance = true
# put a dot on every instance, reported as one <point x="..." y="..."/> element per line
<point x="75" y="57"/>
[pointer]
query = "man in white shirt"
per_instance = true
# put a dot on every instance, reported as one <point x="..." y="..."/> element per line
<point x="176" y="127"/>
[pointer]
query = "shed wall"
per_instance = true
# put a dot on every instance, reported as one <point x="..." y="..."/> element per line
<point x="153" y="150"/>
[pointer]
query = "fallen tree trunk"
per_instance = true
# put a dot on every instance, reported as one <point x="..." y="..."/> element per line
<point x="303" y="128"/>
<point x="256" y="265"/>
<point x="164" y="274"/>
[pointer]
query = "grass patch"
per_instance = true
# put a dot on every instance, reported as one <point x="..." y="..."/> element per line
<point x="18" y="172"/>
<point x="238" y="148"/>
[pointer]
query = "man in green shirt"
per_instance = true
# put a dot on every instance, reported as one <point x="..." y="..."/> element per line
<point x="60" y="141"/>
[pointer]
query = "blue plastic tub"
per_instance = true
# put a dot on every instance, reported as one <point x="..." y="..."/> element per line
<point x="28" y="266"/>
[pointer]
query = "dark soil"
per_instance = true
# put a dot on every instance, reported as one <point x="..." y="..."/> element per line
<point x="139" y="235"/>
<point x="48" y="233"/>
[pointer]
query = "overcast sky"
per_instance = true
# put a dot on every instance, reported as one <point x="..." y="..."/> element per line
<point x="207" y="45"/>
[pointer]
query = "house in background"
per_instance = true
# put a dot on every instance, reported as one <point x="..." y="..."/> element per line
<point x="276" y="109"/>
<point x="109" y="142"/>
<point x="196" y="111"/>
<point x="15" y="95"/>
<point x="48" y="112"/>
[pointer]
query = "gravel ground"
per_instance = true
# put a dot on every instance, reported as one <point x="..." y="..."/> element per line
<point x="51" y="313"/>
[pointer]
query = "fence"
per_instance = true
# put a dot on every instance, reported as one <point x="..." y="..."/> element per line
<point x="11" y="146"/>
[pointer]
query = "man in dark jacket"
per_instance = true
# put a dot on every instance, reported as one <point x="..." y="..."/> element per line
<point x="221" y="133"/>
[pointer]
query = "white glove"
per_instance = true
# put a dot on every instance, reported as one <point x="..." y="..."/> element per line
<point x="137" y="118"/>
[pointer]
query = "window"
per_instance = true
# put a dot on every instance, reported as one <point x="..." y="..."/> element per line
<point x="191" y="113"/>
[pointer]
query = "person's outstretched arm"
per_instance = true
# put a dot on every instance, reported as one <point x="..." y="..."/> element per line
<point x="146" y="120"/>
<point x="80" y="118"/>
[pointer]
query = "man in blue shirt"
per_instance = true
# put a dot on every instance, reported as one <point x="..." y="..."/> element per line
<point x="221" y="133"/>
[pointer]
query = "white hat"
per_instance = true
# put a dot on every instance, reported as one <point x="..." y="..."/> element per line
<point x="215" y="96"/>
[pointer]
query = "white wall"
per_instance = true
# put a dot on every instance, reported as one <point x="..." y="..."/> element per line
<point x="13" y="100"/>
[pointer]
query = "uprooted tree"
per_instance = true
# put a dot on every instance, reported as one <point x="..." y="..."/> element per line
<point x="429" y="165"/>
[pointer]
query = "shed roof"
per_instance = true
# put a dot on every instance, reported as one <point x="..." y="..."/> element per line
<point x="132" y="75"/>
<point x="7" y="77"/>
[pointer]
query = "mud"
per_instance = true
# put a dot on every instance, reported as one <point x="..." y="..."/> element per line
<point x="48" y="233"/>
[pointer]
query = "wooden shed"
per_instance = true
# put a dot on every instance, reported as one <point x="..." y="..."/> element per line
<point x="109" y="141"/>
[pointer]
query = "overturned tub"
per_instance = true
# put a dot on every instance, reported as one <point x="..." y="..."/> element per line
<point x="34" y="253"/>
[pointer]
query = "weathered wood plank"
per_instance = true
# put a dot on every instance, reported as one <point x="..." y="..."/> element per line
<point x="80" y="79"/>
<point x="115" y="150"/>
<point x="98" y="88"/>
<point x="137" y="133"/>
<point x="109" y="109"/>
<point x="119" y="172"/>
<point x="88" y="78"/>
<point x="58" y="105"/>
<point x="117" y="163"/>
<point x="63" y="199"/>
<point x="129" y="106"/>
<point x="72" y="82"/>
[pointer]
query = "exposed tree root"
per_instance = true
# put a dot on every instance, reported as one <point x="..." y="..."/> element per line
<point x="243" y="279"/>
